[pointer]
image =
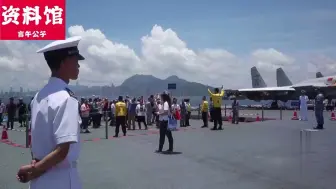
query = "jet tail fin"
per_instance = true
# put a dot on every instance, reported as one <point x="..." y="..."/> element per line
<point x="257" y="80"/>
<point x="282" y="79"/>
<point x="319" y="75"/>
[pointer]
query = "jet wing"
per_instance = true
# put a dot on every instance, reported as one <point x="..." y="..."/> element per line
<point x="309" y="85"/>
<point x="267" y="89"/>
<point x="329" y="90"/>
<point x="323" y="82"/>
<point x="268" y="93"/>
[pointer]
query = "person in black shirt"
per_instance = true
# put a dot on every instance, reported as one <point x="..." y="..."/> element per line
<point x="29" y="105"/>
<point x="2" y="111"/>
<point x="11" y="110"/>
<point x="21" y="112"/>
<point x="95" y="114"/>
<point x="91" y="111"/>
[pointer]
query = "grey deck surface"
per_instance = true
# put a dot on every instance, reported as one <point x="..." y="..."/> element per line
<point x="259" y="155"/>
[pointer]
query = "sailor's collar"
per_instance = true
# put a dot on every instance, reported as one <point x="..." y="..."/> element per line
<point x="57" y="81"/>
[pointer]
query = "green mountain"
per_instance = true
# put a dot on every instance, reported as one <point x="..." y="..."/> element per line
<point x="147" y="84"/>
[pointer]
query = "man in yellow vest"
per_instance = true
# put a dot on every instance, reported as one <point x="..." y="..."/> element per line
<point x="204" y="110"/>
<point x="120" y="113"/>
<point x="217" y="110"/>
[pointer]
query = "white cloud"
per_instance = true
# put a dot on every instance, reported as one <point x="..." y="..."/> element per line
<point x="271" y="58"/>
<point x="162" y="54"/>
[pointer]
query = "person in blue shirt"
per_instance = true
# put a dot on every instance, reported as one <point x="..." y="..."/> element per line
<point x="319" y="108"/>
<point x="183" y="113"/>
<point x="211" y="108"/>
<point x="132" y="113"/>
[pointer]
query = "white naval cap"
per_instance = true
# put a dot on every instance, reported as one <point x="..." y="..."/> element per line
<point x="62" y="48"/>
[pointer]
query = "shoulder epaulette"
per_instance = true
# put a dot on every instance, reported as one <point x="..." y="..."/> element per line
<point x="73" y="96"/>
<point x="71" y="93"/>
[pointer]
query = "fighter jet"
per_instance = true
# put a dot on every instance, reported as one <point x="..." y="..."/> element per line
<point x="256" y="78"/>
<point x="283" y="80"/>
<point x="257" y="82"/>
<point x="319" y="75"/>
<point x="287" y="91"/>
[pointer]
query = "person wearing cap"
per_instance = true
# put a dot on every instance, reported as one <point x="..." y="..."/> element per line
<point x="303" y="106"/>
<point x="55" y="122"/>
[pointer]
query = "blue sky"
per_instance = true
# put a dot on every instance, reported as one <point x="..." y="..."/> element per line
<point x="239" y="26"/>
<point x="301" y="32"/>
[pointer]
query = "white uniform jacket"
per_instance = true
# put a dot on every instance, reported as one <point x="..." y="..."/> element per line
<point x="56" y="120"/>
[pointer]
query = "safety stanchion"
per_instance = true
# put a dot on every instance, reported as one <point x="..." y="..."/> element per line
<point x="332" y="116"/>
<point x="225" y="110"/>
<point x="106" y="124"/>
<point x="262" y="113"/>
<point x="27" y="131"/>
<point x="199" y="112"/>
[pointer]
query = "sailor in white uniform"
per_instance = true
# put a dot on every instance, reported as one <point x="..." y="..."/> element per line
<point x="303" y="106"/>
<point x="55" y="122"/>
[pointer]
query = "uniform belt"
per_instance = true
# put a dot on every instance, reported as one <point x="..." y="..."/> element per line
<point x="63" y="165"/>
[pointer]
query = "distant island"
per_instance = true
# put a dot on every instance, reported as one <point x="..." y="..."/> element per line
<point x="144" y="85"/>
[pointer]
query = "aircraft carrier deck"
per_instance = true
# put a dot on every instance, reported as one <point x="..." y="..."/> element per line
<point x="257" y="155"/>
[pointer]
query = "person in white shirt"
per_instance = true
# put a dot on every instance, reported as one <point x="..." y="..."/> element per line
<point x="175" y="105"/>
<point x="176" y="111"/>
<point x="100" y="111"/>
<point x="164" y="113"/>
<point x="2" y="111"/>
<point x="85" y="114"/>
<point x="55" y="123"/>
<point x="156" y="109"/>
<point x="141" y="114"/>
<point x="112" y="122"/>
<point x="303" y="106"/>
<point x="149" y="110"/>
